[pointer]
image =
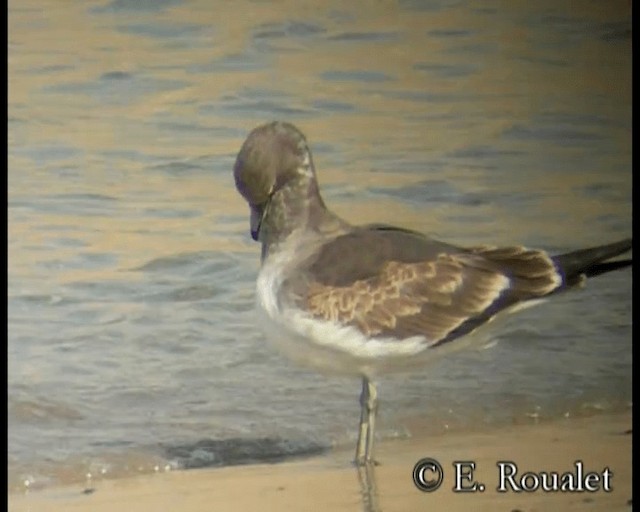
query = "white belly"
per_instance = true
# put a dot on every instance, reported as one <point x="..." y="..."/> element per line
<point x="323" y="345"/>
<point x="343" y="349"/>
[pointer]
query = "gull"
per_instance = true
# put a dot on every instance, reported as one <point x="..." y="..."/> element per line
<point x="364" y="300"/>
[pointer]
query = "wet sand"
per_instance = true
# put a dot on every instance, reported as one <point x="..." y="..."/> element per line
<point x="331" y="483"/>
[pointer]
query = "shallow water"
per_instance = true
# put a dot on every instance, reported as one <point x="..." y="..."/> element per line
<point x="131" y="338"/>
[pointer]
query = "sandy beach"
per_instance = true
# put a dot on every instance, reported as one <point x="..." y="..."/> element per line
<point x="331" y="483"/>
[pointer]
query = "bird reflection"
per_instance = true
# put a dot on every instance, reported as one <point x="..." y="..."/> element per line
<point x="368" y="487"/>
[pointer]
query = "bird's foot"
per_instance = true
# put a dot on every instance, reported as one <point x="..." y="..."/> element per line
<point x="365" y="462"/>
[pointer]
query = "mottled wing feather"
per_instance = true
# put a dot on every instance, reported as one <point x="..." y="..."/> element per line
<point x="440" y="299"/>
<point x="405" y="299"/>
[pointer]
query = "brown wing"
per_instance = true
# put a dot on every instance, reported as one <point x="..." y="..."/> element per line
<point x="441" y="298"/>
<point x="532" y="272"/>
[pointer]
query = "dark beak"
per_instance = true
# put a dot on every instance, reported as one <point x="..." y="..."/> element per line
<point x="257" y="212"/>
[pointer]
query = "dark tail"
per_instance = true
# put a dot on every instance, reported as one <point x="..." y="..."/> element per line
<point x="592" y="262"/>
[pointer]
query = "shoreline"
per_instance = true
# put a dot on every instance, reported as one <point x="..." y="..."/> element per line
<point x="598" y="443"/>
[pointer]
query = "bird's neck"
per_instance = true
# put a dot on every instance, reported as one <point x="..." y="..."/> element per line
<point x="295" y="208"/>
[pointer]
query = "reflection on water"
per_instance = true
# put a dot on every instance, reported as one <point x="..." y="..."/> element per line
<point x="368" y="488"/>
<point x="131" y="271"/>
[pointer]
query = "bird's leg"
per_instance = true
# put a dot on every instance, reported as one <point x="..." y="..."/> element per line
<point x="372" y="409"/>
<point x="368" y="407"/>
<point x="363" y="428"/>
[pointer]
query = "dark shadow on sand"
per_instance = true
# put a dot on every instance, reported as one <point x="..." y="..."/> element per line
<point x="210" y="453"/>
